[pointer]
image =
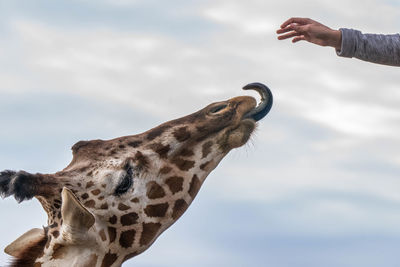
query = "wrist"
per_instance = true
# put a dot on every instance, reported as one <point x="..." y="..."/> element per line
<point x="336" y="39"/>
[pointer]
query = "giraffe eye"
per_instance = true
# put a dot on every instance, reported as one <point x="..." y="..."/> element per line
<point x="125" y="183"/>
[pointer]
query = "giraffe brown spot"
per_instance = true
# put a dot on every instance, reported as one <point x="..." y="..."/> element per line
<point x="205" y="166"/>
<point x="134" y="144"/>
<point x="57" y="206"/>
<point x="89" y="184"/>
<point x="149" y="232"/>
<point x="102" y="235"/>
<point x="96" y="192"/>
<point x="141" y="160"/>
<point x="179" y="208"/>
<point x="113" y="219"/>
<point x="157" y="210"/>
<point x="37" y="264"/>
<point x="91" y="261"/>
<point x="156" y="132"/>
<point x="89" y="173"/>
<point x="109" y="259"/>
<point x="206" y="149"/>
<point x="135" y="200"/>
<point x="182" y="134"/>
<point x="182" y="164"/>
<point x="129" y="219"/>
<point x="89" y="203"/>
<point x="101" y="198"/>
<point x="154" y="190"/>
<point x="104" y="206"/>
<point x="112" y="233"/>
<point x="126" y="239"/>
<point x="121" y="146"/>
<point x="54" y="225"/>
<point x="103" y="185"/>
<point x="160" y="149"/>
<point x="186" y="152"/>
<point x="175" y="184"/>
<point x="83" y="169"/>
<point x="58" y="251"/>
<point x="201" y="128"/>
<point x="123" y="207"/>
<point x="165" y="170"/>
<point x="55" y="234"/>
<point x="194" y="186"/>
<point x="85" y="196"/>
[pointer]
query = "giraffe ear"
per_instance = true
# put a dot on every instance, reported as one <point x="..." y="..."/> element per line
<point x="25" y="241"/>
<point x="76" y="218"/>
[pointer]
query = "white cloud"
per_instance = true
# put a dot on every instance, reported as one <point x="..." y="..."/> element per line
<point x="115" y="3"/>
<point x="333" y="128"/>
<point x="241" y="17"/>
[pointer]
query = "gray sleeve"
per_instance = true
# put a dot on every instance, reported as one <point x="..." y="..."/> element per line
<point x="376" y="48"/>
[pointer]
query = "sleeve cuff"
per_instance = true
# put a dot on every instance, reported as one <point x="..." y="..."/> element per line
<point x="348" y="43"/>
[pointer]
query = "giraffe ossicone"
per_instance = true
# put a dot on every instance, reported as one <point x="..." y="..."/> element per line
<point x="117" y="196"/>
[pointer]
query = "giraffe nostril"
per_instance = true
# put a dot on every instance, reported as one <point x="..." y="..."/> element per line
<point x="218" y="108"/>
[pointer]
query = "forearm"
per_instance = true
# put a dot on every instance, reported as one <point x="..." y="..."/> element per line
<point x="376" y="48"/>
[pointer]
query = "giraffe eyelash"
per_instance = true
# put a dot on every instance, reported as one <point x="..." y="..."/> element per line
<point x="126" y="182"/>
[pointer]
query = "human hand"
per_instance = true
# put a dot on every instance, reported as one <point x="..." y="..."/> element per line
<point x="311" y="31"/>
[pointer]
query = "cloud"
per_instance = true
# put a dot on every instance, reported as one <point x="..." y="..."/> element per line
<point x="321" y="170"/>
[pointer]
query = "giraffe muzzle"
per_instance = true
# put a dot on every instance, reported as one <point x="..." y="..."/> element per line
<point x="264" y="106"/>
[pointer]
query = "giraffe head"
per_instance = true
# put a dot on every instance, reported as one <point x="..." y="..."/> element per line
<point x="117" y="196"/>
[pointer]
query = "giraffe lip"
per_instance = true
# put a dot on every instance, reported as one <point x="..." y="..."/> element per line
<point x="264" y="106"/>
<point x="239" y="135"/>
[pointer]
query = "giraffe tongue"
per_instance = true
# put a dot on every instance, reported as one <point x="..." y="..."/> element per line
<point x="265" y="105"/>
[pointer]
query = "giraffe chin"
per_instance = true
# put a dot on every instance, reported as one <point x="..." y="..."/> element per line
<point x="238" y="136"/>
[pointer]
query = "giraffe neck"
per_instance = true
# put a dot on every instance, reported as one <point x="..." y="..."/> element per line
<point x="123" y="237"/>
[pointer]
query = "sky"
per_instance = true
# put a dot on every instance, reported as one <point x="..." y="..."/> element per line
<point x="317" y="185"/>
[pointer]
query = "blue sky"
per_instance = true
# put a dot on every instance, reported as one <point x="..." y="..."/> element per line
<point x="318" y="185"/>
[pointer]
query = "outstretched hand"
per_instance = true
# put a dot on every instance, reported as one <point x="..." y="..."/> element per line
<point x="309" y="30"/>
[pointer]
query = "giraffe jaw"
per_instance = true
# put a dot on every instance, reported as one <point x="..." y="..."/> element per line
<point x="238" y="136"/>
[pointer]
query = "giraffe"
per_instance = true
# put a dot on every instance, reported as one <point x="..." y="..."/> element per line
<point x="117" y="196"/>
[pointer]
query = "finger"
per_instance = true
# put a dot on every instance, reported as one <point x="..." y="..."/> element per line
<point x="301" y="21"/>
<point x="290" y="27"/>
<point x="289" y="35"/>
<point x="287" y="29"/>
<point x="299" y="38"/>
